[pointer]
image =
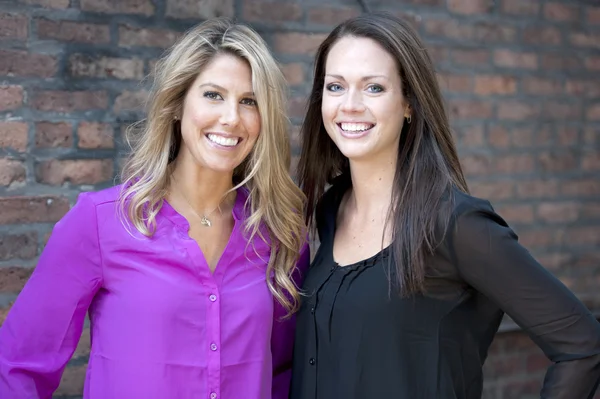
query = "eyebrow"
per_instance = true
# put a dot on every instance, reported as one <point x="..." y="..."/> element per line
<point x="368" y="77"/>
<point x="221" y="88"/>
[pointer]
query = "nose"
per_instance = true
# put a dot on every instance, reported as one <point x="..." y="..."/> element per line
<point x="353" y="101"/>
<point x="230" y="115"/>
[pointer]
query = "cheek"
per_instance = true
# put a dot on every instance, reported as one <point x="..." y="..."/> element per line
<point x="252" y="124"/>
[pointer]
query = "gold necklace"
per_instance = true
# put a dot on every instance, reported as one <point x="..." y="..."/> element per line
<point x="204" y="220"/>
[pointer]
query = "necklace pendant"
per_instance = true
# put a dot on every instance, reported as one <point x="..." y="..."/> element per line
<point x="205" y="222"/>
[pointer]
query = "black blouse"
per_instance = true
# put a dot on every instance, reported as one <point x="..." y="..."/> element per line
<point x="355" y="339"/>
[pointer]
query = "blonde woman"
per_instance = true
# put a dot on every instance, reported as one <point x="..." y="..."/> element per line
<point x="189" y="268"/>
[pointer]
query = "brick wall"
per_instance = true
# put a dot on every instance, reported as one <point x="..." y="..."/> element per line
<point x="520" y="79"/>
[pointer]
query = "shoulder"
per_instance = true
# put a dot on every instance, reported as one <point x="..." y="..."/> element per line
<point x="101" y="197"/>
<point x="88" y="205"/>
<point x="474" y="219"/>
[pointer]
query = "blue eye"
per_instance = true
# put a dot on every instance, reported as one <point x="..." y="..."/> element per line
<point x="333" y="87"/>
<point x="212" y="95"/>
<point x="375" y="89"/>
<point x="249" y="101"/>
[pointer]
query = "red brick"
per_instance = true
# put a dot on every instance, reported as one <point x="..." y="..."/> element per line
<point x="558" y="161"/>
<point x="499" y="136"/>
<point x="22" y="63"/>
<point x="11" y="171"/>
<point x="516" y="213"/>
<point x="131" y="101"/>
<point x="13" y="26"/>
<point x="495" y="84"/>
<point x="69" y="31"/>
<point x="130" y="36"/>
<point x="72" y="380"/>
<point x="587" y="235"/>
<point x="494" y="191"/>
<point x="471" y="57"/>
<point x="203" y="10"/>
<point x="567" y="135"/>
<point x="517" y="110"/>
<point x="469" y="109"/>
<point x="525" y="136"/>
<point x="11" y="97"/>
<point x="294" y="73"/>
<point x="593" y="15"/>
<point x="69" y="101"/>
<point x="143" y="7"/>
<point x="95" y="135"/>
<point x="331" y="15"/>
<point x="515" y="164"/>
<point x="438" y="54"/>
<point x="558" y="211"/>
<point x="541" y="86"/>
<point x="14" y="135"/>
<point x="295" y="136"/>
<point x="298" y="43"/>
<point x="513" y="59"/>
<point x="470" y="136"/>
<point x="586" y="88"/>
<point x="540" y="238"/>
<point x="590" y="210"/>
<point x="591" y="135"/>
<point x="454" y="83"/>
<point x="81" y="65"/>
<point x="485" y="32"/>
<point x="563" y="111"/>
<point x="592" y="112"/>
<point x="476" y="165"/>
<point x="48" y="3"/>
<point x="581" y="188"/>
<point x="88" y="171"/>
<point x="560" y="62"/>
<point x="12" y="279"/>
<point x="591" y="161"/>
<point x="561" y="12"/>
<point x="297" y="107"/>
<point x="542" y="35"/>
<point x="537" y="188"/>
<point x="592" y="63"/>
<point x="16" y="246"/>
<point x="470" y="7"/>
<point x="449" y="28"/>
<point x="43" y="209"/>
<point x="270" y="11"/>
<point x="51" y="135"/>
<point x="520" y="7"/>
<point x="537" y="363"/>
<point x="585" y="39"/>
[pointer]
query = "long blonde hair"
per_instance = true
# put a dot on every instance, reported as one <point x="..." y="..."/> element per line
<point x="274" y="201"/>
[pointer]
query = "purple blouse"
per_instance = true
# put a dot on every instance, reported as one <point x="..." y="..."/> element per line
<point x="162" y="325"/>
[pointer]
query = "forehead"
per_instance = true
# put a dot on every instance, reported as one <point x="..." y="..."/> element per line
<point x="359" y="55"/>
<point x="226" y="68"/>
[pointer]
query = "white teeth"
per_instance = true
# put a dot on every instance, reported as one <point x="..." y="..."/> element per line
<point x="355" y="127"/>
<point x="225" y="141"/>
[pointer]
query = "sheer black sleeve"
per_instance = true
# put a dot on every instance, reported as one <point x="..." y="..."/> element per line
<point x="490" y="259"/>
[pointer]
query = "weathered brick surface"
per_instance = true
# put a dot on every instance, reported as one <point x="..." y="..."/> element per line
<point x="519" y="80"/>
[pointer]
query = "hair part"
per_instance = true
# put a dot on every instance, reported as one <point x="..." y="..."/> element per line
<point x="274" y="201"/>
<point x="427" y="165"/>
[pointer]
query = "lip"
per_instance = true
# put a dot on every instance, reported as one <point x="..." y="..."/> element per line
<point x="225" y="135"/>
<point x="352" y="135"/>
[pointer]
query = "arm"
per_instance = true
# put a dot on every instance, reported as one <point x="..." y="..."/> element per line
<point x="44" y="325"/>
<point x="282" y="336"/>
<point x="490" y="259"/>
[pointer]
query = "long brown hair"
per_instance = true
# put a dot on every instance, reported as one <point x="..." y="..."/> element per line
<point x="274" y="199"/>
<point x="428" y="165"/>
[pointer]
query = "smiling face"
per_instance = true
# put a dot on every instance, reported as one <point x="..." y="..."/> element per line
<point x="220" y="122"/>
<point x="363" y="108"/>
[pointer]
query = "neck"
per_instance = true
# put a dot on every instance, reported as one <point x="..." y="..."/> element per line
<point x="204" y="189"/>
<point x="372" y="183"/>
